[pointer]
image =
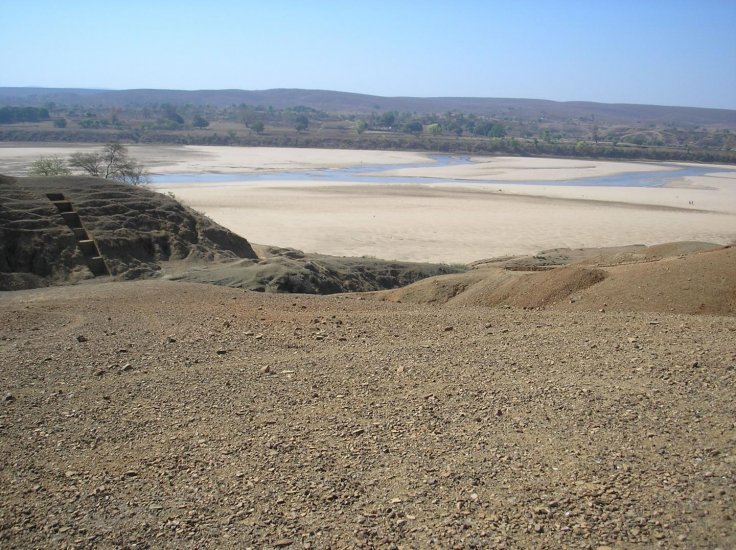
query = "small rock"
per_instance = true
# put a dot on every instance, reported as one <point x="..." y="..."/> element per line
<point x="539" y="528"/>
<point x="81" y="338"/>
<point x="9" y="398"/>
<point x="448" y="329"/>
<point x="127" y="367"/>
<point x="359" y="431"/>
<point x="696" y="365"/>
<point x="400" y="369"/>
<point x="170" y="339"/>
<point x="221" y="351"/>
<point x="265" y="370"/>
<point x="283" y="542"/>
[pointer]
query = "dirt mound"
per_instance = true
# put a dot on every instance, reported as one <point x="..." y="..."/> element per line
<point x="673" y="277"/>
<point x="546" y="288"/>
<point x="496" y="286"/>
<point x="464" y="288"/>
<point x="596" y="256"/>
<point x="641" y="253"/>
<point x="702" y="282"/>
<point x="45" y="220"/>
<point x="290" y="270"/>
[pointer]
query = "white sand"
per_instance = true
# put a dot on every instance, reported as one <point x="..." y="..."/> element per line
<point x="448" y="222"/>
<point x="438" y="224"/>
<point x="168" y="159"/>
<point x="192" y="158"/>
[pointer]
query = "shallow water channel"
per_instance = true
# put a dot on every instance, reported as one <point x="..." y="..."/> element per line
<point x="370" y="173"/>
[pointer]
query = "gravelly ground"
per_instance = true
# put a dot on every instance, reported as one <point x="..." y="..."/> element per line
<point x="160" y="414"/>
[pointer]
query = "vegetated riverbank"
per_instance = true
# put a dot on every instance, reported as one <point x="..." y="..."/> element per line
<point x="321" y="118"/>
<point x="381" y="141"/>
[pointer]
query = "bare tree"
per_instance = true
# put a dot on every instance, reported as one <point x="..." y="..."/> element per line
<point x="111" y="163"/>
<point x="49" y="166"/>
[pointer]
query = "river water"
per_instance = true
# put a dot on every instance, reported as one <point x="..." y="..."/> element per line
<point x="360" y="174"/>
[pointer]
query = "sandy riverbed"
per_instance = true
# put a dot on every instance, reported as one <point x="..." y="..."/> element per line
<point x="180" y="159"/>
<point x="527" y="169"/>
<point x="449" y="221"/>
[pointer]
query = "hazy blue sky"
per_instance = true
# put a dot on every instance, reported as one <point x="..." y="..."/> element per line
<point x="666" y="52"/>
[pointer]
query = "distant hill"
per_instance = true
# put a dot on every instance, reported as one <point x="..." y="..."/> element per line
<point x="344" y="102"/>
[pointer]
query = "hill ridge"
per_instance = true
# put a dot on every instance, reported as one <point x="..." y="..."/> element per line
<point x="354" y="102"/>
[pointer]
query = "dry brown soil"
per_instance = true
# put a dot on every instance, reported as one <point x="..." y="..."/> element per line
<point x="176" y="415"/>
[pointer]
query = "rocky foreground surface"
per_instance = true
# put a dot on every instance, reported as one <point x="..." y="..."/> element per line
<point x="174" y="415"/>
